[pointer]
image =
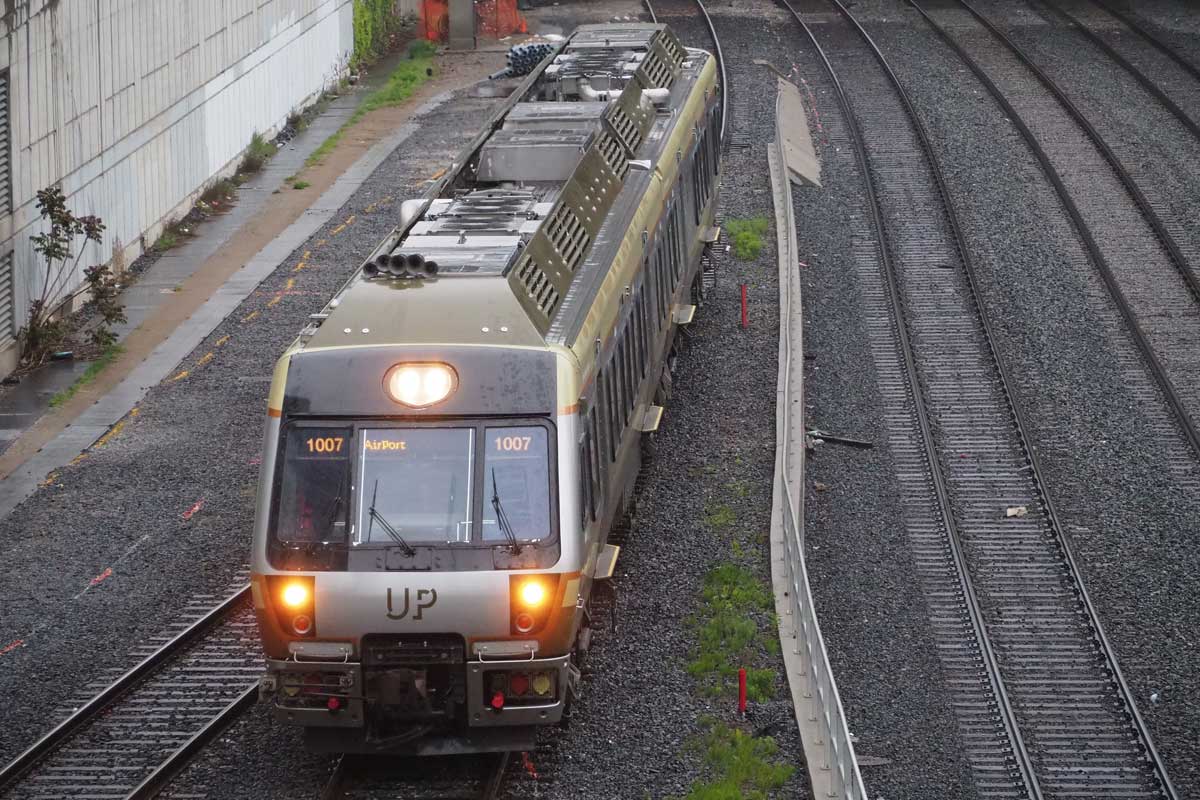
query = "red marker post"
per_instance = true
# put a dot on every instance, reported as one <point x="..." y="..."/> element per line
<point x="742" y="691"/>
<point x="745" y="310"/>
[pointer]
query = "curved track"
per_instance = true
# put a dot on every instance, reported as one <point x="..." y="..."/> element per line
<point x="1130" y="22"/>
<point x="1043" y="706"/>
<point x="455" y="778"/>
<point x="712" y="32"/>
<point x="1143" y="80"/>
<point x="137" y="733"/>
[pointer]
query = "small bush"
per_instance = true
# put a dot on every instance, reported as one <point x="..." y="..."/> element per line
<point x="741" y="766"/>
<point x="746" y="236"/>
<point x="257" y="154"/>
<point x="301" y="185"/>
<point x="222" y="191"/>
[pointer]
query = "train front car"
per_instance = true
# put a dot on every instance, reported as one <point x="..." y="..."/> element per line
<point x="434" y="500"/>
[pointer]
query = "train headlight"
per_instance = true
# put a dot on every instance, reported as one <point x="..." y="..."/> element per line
<point x="293" y="599"/>
<point x="531" y="599"/>
<point x="533" y="593"/>
<point x="295" y="595"/>
<point x="420" y="385"/>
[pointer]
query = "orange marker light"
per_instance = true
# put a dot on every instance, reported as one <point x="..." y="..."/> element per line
<point x="533" y="594"/>
<point x="295" y="595"/>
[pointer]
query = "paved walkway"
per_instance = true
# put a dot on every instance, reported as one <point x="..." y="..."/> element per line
<point x="26" y="403"/>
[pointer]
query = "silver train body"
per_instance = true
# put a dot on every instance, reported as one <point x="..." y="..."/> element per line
<point x="450" y="440"/>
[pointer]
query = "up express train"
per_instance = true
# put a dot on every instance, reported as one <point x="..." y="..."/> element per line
<point x="451" y="438"/>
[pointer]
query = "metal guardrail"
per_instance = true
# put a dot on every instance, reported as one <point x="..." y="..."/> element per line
<point x="828" y="748"/>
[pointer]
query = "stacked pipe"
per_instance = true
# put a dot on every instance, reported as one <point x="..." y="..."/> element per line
<point x="522" y="58"/>
<point x="400" y="265"/>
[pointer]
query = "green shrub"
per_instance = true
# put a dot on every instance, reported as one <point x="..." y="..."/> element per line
<point x="746" y="236"/>
<point x="257" y="154"/>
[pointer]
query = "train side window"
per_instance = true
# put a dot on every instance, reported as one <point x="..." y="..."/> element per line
<point x="614" y="427"/>
<point x="585" y="479"/>
<point x="630" y="380"/>
<point x="597" y="470"/>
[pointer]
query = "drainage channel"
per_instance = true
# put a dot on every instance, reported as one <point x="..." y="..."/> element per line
<point x="1043" y="708"/>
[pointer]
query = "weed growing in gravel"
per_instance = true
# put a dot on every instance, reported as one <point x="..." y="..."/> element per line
<point x="403" y="81"/>
<point x="746" y="235"/>
<point x="173" y="234"/>
<point x="301" y="185"/>
<point x="718" y="517"/>
<point x="223" y="191"/>
<point x="741" y="766"/>
<point x="110" y="353"/>
<point x="729" y="632"/>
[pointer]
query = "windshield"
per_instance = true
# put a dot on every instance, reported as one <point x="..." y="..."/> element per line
<point x="418" y="480"/>
<point x="415" y="485"/>
<point x="516" y="472"/>
<point x="314" y="491"/>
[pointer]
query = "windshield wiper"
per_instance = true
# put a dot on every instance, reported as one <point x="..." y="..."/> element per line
<point x="387" y="527"/>
<point x="502" y="518"/>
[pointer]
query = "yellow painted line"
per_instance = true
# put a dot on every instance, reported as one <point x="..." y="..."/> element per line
<point x="437" y="174"/>
<point x="222" y="340"/>
<point x="50" y="479"/>
<point x="250" y="316"/>
<point x="180" y="376"/>
<point x="299" y="267"/>
<point x="291" y="282"/>
<point x="338" y="229"/>
<point x="204" y="359"/>
<point x="274" y="300"/>
<point x="134" y="411"/>
<point x="350" y="220"/>
<point x="370" y="208"/>
<point x="113" y="431"/>
<point x="320" y="243"/>
<point x="78" y="458"/>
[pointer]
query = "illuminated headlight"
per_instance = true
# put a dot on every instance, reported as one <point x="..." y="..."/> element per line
<point x="420" y="385"/>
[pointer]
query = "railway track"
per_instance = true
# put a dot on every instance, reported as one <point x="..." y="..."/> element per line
<point x="1041" y="702"/>
<point x="716" y="41"/>
<point x="140" y="730"/>
<point x="1141" y="30"/>
<point x="1151" y="86"/>
<point x="452" y="778"/>
<point x="1147" y="268"/>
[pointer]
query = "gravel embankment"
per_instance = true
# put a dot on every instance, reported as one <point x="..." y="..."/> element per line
<point x="1111" y="470"/>
<point x="192" y="447"/>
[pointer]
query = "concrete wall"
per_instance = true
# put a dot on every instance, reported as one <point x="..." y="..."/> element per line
<point x="134" y="105"/>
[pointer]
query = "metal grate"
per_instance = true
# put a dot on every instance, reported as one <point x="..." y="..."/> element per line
<point x="568" y="236"/>
<point x="538" y="285"/>
<point x="7" y="328"/>
<point x="5" y="160"/>
<point x="625" y="128"/>
<point x="611" y="150"/>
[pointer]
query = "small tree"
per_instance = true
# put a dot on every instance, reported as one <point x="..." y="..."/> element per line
<point x="43" y="333"/>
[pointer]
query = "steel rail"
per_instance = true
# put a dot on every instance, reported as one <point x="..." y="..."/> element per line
<point x="1160" y="230"/>
<point x="924" y="418"/>
<point x="1147" y="84"/>
<point x="116" y="690"/>
<point x="1162" y="46"/>
<point x="1166" y="386"/>
<point x="1105" y="648"/>
<point x="717" y="53"/>
<point x="166" y="771"/>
